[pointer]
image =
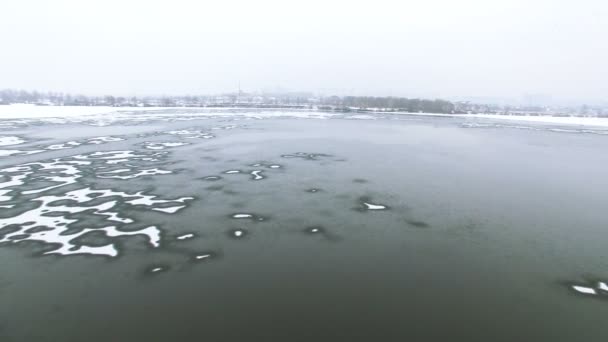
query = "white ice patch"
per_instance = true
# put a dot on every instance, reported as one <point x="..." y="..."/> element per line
<point x="163" y="145"/>
<point x="140" y="173"/>
<point x="602" y="286"/>
<point x="202" y="256"/>
<point x="52" y="221"/>
<point x="110" y="155"/>
<point x="230" y="172"/>
<point x="170" y="210"/>
<point x="58" y="225"/>
<point x="6" y="141"/>
<point x="192" y="134"/>
<point x="257" y="175"/>
<point x="101" y="140"/>
<point x="118" y="161"/>
<point x="185" y="236"/>
<point x="584" y="290"/>
<point x="6" y="153"/>
<point x="59" y="235"/>
<point x="370" y="206"/>
<point x="242" y="216"/>
<point x="69" y="144"/>
<point x="68" y="174"/>
<point x="361" y="117"/>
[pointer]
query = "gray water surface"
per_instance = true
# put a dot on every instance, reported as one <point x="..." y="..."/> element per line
<point x="289" y="229"/>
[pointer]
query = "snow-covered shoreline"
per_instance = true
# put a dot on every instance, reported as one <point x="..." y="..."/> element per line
<point x="25" y="111"/>
<point x="557" y="120"/>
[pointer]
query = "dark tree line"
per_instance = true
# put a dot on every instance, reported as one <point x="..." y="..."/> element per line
<point x="392" y="103"/>
<point x="8" y="96"/>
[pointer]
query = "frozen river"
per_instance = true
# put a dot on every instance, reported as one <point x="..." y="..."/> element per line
<point x="240" y="225"/>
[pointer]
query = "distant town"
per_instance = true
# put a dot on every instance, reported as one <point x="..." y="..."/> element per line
<point x="296" y="100"/>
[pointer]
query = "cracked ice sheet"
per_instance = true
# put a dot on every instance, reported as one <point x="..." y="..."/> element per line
<point x="58" y="225"/>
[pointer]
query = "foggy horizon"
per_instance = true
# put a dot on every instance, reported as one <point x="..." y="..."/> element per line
<point x="436" y="49"/>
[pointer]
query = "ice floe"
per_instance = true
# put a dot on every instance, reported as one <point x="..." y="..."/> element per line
<point x="10" y="140"/>
<point x="140" y="173"/>
<point x="371" y="206"/>
<point x="185" y="236"/>
<point x="6" y="153"/>
<point x="599" y="288"/>
<point x="101" y="140"/>
<point x="238" y="233"/>
<point x="69" y="144"/>
<point x="242" y="216"/>
<point x="60" y="212"/>
<point x="584" y="289"/>
<point x="257" y="175"/>
<point x="162" y="145"/>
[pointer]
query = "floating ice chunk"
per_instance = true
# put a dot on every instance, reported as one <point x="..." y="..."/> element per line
<point x="602" y="286"/>
<point x="242" y="216"/>
<point x="110" y="155"/>
<point x="118" y="171"/>
<point x="202" y="256"/>
<point x="69" y="144"/>
<point x="148" y="172"/>
<point x="170" y="210"/>
<point x="183" y="132"/>
<point x="6" y="141"/>
<point x="370" y="206"/>
<point x="275" y="166"/>
<point x="163" y="145"/>
<point x="212" y="178"/>
<point x="62" y="180"/>
<point x="150" y="200"/>
<point x="16" y="169"/>
<point x="156" y="269"/>
<point x="256" y="175"/>
<point x="107" y="250"/>
<point x="100" y="140"/>
<point x="117" y="161"/>
<point x="6" y="153"/>
<point x="238" y="233"/>
<point x="584" y="290"/>
<point x="229" y="172"/>
<point x="185" y="236"/>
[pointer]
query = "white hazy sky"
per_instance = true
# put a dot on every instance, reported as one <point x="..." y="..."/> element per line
<point x="431" y="48"/>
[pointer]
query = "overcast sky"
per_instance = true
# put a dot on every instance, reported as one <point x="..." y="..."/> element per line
<point x="430" y="48"/>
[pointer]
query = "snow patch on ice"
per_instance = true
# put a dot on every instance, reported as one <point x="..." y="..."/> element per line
<point x="584" y="290"/>
<point x="9" y="140"/>
<point x="370" y="206"/>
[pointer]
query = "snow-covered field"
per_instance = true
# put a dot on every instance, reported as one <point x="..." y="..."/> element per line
<point x="558" y="120"/>
<point x="24" y="111"/>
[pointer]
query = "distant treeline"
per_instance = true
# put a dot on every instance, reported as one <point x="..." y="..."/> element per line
<point x="392" y="103"/>
<point x="297" y="100"/>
